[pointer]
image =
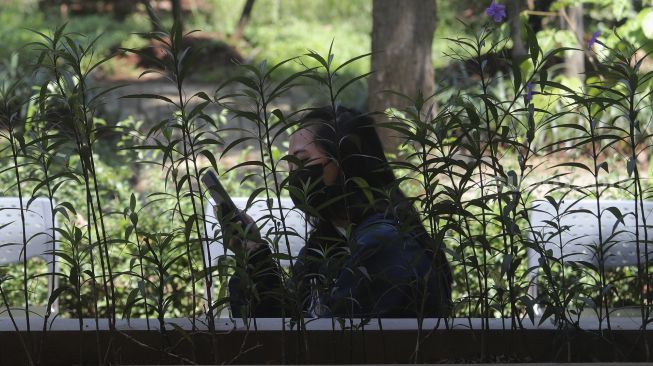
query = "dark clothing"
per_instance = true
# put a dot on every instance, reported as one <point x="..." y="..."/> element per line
<point x="379" y="272"/>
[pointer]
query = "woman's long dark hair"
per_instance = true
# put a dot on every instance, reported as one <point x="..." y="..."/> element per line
<point x="350" y="138"/>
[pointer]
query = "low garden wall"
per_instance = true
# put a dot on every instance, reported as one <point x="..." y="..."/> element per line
<point x="324" y="341"/>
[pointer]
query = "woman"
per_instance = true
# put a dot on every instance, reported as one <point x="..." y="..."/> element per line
<point x="368" y="255"/>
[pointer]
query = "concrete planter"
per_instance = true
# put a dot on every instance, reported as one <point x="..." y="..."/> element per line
<point x="323" y="341"/>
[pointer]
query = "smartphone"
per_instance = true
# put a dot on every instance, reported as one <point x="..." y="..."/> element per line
<point x="227" y="210"/>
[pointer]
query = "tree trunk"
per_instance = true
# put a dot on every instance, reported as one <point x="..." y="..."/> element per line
<point x="537" y="23"/>
<point x="244" y="18"/>
<point x="519" y="52"/>
<point x="575" y="60"/>
<point x="402" y="38"/>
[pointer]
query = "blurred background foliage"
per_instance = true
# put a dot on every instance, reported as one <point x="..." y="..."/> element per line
<point x="280" y="29"/>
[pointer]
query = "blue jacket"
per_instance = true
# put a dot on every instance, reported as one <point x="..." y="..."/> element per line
<point x="381" y="271"/>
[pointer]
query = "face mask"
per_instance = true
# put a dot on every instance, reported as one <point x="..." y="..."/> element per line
<point x="307" y="188"/>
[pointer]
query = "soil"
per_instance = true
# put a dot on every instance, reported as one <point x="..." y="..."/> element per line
<point x="207" y="51"/>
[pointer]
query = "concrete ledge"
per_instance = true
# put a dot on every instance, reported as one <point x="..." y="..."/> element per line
<point x="323" y="341"/>
<point x="316" y="324"/>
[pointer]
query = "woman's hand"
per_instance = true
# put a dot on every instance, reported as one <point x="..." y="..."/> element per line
<point x="252" y="239"/>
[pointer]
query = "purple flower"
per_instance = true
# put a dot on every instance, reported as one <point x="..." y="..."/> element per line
<point x="529" y="92"/>
<point x="593" y="40"/>
<point x="496" y="11"/>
